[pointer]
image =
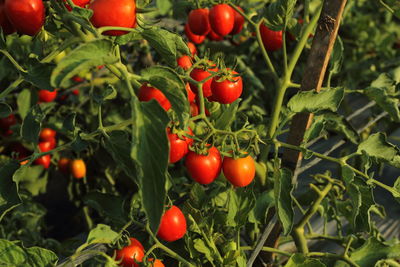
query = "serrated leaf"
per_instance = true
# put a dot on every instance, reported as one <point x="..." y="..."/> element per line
<point x="39" y="74"/>
<point x="339" y="124"/>
<point x="32" y="123"/>
<point x="376" y="146"/>
<point x="283" y="189"/>
<point x="311" y="102"/>
<point x="228" y="116"/>
<point x="299" y="260"/>
<point x="201" y="247"/>
<point x="9" y="197"/>
<point x="24" y="102"/>
<point x="384" y="100"/>
<point x="278" y="13"/>
<point x="5" y="110"/>
<point x="102" y="234"/>
<point x="86" y="56"/>
<point x="336" y="56"/>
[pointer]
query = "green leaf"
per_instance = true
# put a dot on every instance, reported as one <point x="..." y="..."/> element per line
<point x="86" y="56"/>
<point x="102" y="234"/>
<point x="384" y="100"/>
<point x="5" y="110"/>
<point x="172" y="86"/>
<point x="164" y="6"/>
<point x="263" y="203"/>
<point x="129" y="37"/>
<point x="79" y="144"/>
<point x="39" y="74"/>
<point x="339" y="124"/>
<point x="283" y="189"/>
<point x="397" y="187"/>
<point x="107" y="205"/>
<point x="337" y="56"/>
<point x="25" y="101"/>
<point x="278" y="13"/>
<point x="32" y="123"/>
<point x="376" y="146"/>
<point x="169" y="45"/>
<point x="228" y="116"/>
<point x="299" y="260"/>
<point x="106" y="94"/>
<point x="9" y="197"/>
<point x="69" y="123"/>
<point x="201" y="247"/>
<point x="311" y="102"/>
<point x="30" y="179"/>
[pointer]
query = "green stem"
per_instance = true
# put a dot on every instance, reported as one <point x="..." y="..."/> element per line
<point x="13" y="61"/>
<point x="12" y="86"/>
<point x="61" y="48"/>
<point x="264" y="51"/>
<point x="333" y="256"/>
<point x="269" y="249"/>
<point x="88" y="220"/>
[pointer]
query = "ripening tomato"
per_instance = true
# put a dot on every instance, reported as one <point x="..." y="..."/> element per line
<point x="194" y="109"/>
<point x="192" y="48"/>
<point x="46" y="145"/>
<point x="27" y="16"/>
<point x="222" y="19"/>
<point x="47" y="96"/>
<point x="156" y="263"/>
<point x="47" y="134"/>
<point x="78" y="168"/>
<point x="131" y="254"/>
<point x="200" y="74"/>
<point x="147" y="93"/>
<point x="226" y="90"/>
<point x="63" y="165"/>
<point x="272" y="40"/>
<point x="240" y="172"/>
<point x="239" y="22"/>
<point x="5" y="23"/>
<point x="80" y="3"/>
<point x="44" y="161"/>
<point x="172" y="225"/>
<point x="191" y="96"/>
<point x="197" y="39"/>
<point x="7" y="122"/>
<point x="214" y="37"/>
<point x="178" y="147"/>
<point x="117" y="13"/>
<point x="198" y="21"/>
<point x="204" y="169"/>
<point x="185" y="62"/>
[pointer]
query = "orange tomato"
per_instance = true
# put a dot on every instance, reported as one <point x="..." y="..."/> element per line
<point x="78" y="168"/>
<point x="240" y="172"/>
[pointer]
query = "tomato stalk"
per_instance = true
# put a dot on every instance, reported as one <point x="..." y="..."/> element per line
<point x="13" y="61"/>
<point x="11" y="87"/>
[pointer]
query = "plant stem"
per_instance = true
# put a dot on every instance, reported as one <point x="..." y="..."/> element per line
<point x="333" y="256"/>
<point x="12" y="60"/>
<point x="269" y="249"/>
<point x="12" y="86"/>
<point x="264" y="51"/>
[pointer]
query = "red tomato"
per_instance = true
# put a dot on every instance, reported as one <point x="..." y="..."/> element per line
<point x="198" y="21"/>
<point x="47" y="134"/>
<point x="239" y="22"/>
<point x="194" y="109"/>
<point x="214" y="37"/>
<point x="130" y="254"/>
<point x="117" y="13"/>
<point x="27" y="16"/>
<point x="47" y="96"/>
<point x="227" y="90"/>
<point x="44" y="161"/>
<point x="156" y="263"/>
<point x="222" y="19"/>
<point x="47" y="145"/>
<point x="173" y="225"/>
<point x="185" y="62"/>
<point x="178" y="148"/>
<point x="204" y="169"/>
<point x="147" y="93"/>
<point x="272" y="40"/>
<point x="63" y="165"/>
<point x="197" y="39"/>
<point x="192" y="48"/>
<point x="7" y="122"/>
<point x="240" y="172"/>
<point x="78" y="168"/>
<point x="199" y="75"/>
<point x="190" y="94"/>
<point x="75" y="92"/>
<point x="5" y="23"/>
<point x="77" y="79"/>
<point x="80" y="3"/>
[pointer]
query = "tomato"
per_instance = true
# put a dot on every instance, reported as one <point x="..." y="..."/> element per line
<point x="47" y="134"/>
<point x="197" y="39"/>
<point x="226" y="90"/>
<point x="47" y="96"/>
<point x="178" y="148"/>
<point x="272" y="40"/>
<point x="173" y="225"/>
<point x="117" y="13"/>
<point x="240" y="172"/>
<point x="239" y="22"/>
<point x="198" y="21"/>
<point x="214" y="37"/>
<point x="204" y="169"/>
<point x="185" y="62"/>
<point x="44" y="161"/>
<point x="192" y="48"/>
<point x="77" y="79"/>
<point x="190" y="94"/>
<point x="80" y="3"/>
<point x="222" y="19"/>
<point x="147" y="93"/>
<point x="130" y="254"/>
<point x="200" y="74"/>
<point x="78" y="168"/>
<point x="194" y="109"/>
<point x="156" y="263"/>
<point x="5" y="23"/>
<point x="18" y="149"/>
<point x="27" y="16"/>
<point x="7" y="122"/>
<point x="46" y="145"/>
<point x="63" y="165"/>
<point x="75" y="92"/>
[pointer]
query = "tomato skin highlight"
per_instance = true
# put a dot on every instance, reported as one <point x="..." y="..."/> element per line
<point x="198" y="21"/>
<point x="78" y="168"/>
<point x="5" y="23"/>
<point x="130" y="254"/>
<point x="240" y="172"/>
<point x="222" y="19"/>
<point x="44" y="161"/>
<point x="239" y="22"/>
<point x="178" y="147"/>
<point x="197" y="39"/>
<point x="47" y="96"/>
<point x="199" y="75"/>
<point x="204" y="169"/>
<point x="27" y="16"/>
<point x="172" y="225"/>
<point x="117" y="13"/>
<point x="272" y="40"/>
<point x="147" y="93"/>
<point x="185" y="62"/>
<point x="226" y="91"/>
<point x="63" y="165"/>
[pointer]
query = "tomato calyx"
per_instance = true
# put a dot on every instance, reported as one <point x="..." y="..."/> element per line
<point x="227" y="74"/>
